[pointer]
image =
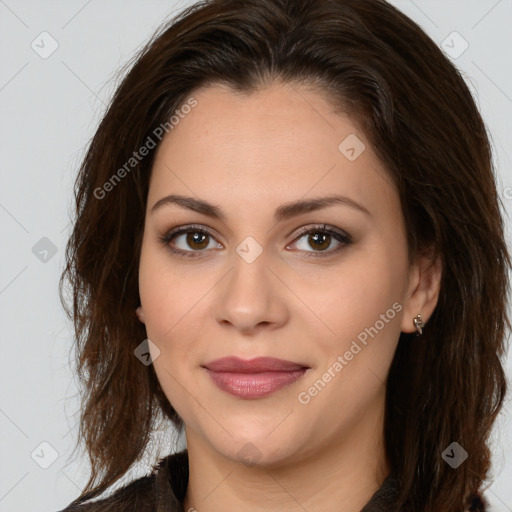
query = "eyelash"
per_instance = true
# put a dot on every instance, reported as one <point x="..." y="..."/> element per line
<point x="344" y="239"/>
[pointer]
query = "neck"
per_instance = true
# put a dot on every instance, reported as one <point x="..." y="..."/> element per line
<point x="343" y="471"/>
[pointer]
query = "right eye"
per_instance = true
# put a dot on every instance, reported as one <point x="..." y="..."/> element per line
<point x="192" y="236"/>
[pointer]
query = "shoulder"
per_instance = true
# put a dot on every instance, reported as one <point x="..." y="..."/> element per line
<point x="385" y="498"/>
<point x="143" y="495"/>
<point x="140" y="490"/>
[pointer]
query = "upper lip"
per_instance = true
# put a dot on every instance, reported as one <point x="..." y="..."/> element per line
<point x="256" y="365"/>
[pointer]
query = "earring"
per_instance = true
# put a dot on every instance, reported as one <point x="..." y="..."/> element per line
<point x="418" y="323"/>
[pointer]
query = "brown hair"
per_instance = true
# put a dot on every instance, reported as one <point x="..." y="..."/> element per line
<point x="379" y="67"/>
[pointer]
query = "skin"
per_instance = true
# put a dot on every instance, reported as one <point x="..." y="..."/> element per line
<point x="249" y="154"/>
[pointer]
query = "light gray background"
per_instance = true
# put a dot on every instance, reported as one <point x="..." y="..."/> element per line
<point x="49" y="109"/>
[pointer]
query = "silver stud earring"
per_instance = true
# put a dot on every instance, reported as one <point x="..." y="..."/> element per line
<point x="418" y="323"/>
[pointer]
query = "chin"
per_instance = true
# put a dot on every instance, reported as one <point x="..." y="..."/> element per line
<point x="257" y="450"/>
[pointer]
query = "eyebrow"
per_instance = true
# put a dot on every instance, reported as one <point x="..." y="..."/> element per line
<point x="283" y="212"/>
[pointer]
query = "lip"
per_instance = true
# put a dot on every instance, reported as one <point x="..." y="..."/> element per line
<point x="256" y="365"/>
<point x="254" y="378"/>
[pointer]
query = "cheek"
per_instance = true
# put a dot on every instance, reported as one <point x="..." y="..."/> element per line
<point x="165" y="303"/>
<point x="164" y="295"/>
<point x="353" y="296"/>
<point x="174" y="303"/>
<point x="363" y="317"/>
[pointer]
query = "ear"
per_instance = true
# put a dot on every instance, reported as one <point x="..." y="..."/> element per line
<point x="140" y="314"/>
<point x="423" y="289"/>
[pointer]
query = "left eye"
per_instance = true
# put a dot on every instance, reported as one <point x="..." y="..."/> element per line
<point x="319" y="238"/>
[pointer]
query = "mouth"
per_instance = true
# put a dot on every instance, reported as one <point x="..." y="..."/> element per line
<point x="254" y="378"/>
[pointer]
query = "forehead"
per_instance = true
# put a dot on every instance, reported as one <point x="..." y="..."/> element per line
<point x="277" y="144"/>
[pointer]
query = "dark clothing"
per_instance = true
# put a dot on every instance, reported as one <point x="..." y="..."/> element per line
<point x="165" y="488"/>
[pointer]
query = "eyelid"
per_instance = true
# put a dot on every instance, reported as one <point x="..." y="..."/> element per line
<point x="172" y="233"/>
<point x="341" y="236"/>
<point x="322" y="227"/>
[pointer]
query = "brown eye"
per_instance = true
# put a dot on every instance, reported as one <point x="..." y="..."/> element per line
<point x="196" y="239"/>
<point x="189" y="241"/>
<point x="320" y="239"/>
<point x="193" y="241"/>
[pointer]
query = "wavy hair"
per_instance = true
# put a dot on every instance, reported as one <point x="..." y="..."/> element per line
<point x="379" y="67"/>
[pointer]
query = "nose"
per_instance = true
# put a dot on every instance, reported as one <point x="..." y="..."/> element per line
<point x="252" y="297"/>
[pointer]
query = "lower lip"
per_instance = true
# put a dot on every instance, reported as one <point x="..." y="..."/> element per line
<point x="254" y="385"/>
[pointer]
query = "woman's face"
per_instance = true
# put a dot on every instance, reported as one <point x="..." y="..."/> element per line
<point x="333" y="301"/>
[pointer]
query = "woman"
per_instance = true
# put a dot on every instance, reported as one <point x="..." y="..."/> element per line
<point x="289" y="243"/>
